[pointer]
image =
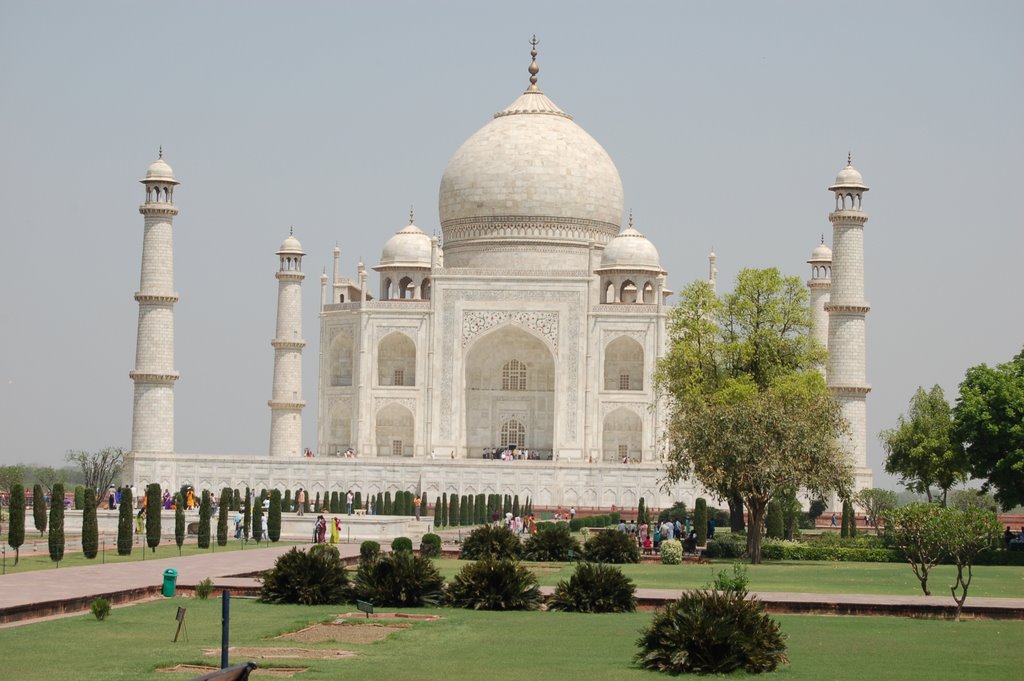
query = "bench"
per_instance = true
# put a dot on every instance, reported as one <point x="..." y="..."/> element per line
<point x="238" y="672"/>
<point x="360" y="511"/>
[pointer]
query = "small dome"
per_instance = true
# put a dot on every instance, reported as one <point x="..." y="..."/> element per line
<point x="410" y="247"/>
<point x="821" y="254"/>
<point x="630" y="250"/>
<point x="849" y="177"/>
<point x="159" y="171"/>
<point x="290" y="245"/>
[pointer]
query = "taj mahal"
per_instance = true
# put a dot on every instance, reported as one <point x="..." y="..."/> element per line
<point x="528" y="330"/>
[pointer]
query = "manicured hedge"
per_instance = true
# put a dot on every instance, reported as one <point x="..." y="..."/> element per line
<point x="795" y="551"/>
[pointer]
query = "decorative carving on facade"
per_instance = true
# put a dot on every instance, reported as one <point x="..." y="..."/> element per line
<point x="608" y="335"/>
<point x="475" y="322"/>
<point x="381" y="402"/>
<point x="641" y="409"/>
<point x="516" y="227"/>
<point x="572" y="330"/>
<point x="381" y="331"/>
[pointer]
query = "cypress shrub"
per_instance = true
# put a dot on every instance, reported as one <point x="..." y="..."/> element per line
<point x="247" y="514"/>
<point x="39" y="508"/>
<point x="79" y="497"/>
<point x="480" y="508"/>
<point x="335" y="503"/>
<point x="438" y="514"/>
<point x="274" y="516"/>
<point x="641" y="512"/>
<point x="444" y="509"/>
<point x="378" y="505"/>
<point x="357" y="500"/>
<point x="507" y="506"/>
<point x="153" y="516"/>
<point x="470" y="511"/>
<point x="90" y="525"/>
<point x="515" y="506"/>
<point x="236" y="501"/>
<point x="844" y="530"/>
<point x="316" y="504"/>
<point x="410" y="503"/>
<point x="430" y="545"/>
<point x="124" y="524"/>
<point x="464" y="518"/>
<point x="853" y="520"/>
<point x="700" y="521"/>
<point x="205" y="510"/>
<point x="184" y="491"/>
<point x="401" y="544"/>
<point x="453" y="510"/>
<point x="257" y="519"/>
<point x="529" y="506"/>
<point x="55" y="539"/>
<point x="424" y="505"/>
<point x="388" y="507"/>
<point x="369" y="551"/>
<point x="222" y="517"/>
<point x="286" y="503"/>
<point x="179" y="522"/>
<point x="774" y="526"/>
<point x="16" y="523"/>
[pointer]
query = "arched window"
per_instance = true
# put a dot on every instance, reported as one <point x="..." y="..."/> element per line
<point x="513" y="376"/>
<point x="425" y="289"/>
<point x="513" y="433"/>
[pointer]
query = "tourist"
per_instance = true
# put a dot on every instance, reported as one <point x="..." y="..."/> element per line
<point x="622" y="526"/>
<point x="349" y="497"/>
<point x="300" y="501"/>
<point x="167" y="500"/>
<point x="711" y="528"/>
<point x="320" y="530"/>
<point x="572" y="513"/>
<point x="690" y="545"/>
<point x="667" y="529"/>
<point x="1007" y="536"/>
<point x="415" y="504"/>
<point x="238" y="524"/>
<point x="335" y="530"/>
<point x="833" y="519"/>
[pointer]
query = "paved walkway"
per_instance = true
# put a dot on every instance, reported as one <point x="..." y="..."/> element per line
<point x="46" y="593"/>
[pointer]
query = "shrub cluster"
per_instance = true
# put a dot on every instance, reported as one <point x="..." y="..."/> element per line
<point x="495" y="584"/>
<point x="611" y="547"/>
<point x="605" y="520"/>
<point x="712" y="632"/>
<point x="312" y="577"/>
<point x="430" y="545"/>
<point x="399" y="579"/>
<point x="488" y="541"/>
<point x="401" y="544"/>
<point x="551" y="542"/>
<point x="595" y="587"/>
<point x="791" y="550"/>
<point x="726" y="547"/>
<point x="369" y="550"/>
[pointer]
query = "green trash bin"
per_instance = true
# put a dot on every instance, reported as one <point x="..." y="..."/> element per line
<point x="170" y="580"/>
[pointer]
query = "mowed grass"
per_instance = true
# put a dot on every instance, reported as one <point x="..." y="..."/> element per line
<point x="39" y="559"/>
<point x="801" y="576"/>
<point x="539" y="646"/>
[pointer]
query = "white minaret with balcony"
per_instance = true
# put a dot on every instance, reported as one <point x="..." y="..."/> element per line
<point x="154" y="374"/>
<point x="820" y="285"/>
<point x="286" y="401"/>
<point x="846" y="373"/>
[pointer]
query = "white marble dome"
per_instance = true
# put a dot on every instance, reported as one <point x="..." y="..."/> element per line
<point x="409" y="247"/>
<point x="630" y="250"/>
<point x="289" y="246"/>
<point x="531" y="175"/>
<point x="160" y="170"/>
<point x="821" y="253"/>
<point x="849" y="177"/>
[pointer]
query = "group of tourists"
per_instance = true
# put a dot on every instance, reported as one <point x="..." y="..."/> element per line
<point x="320" y="530"/>
<point x="511" y="453"/>
<point x="650" y="537"/>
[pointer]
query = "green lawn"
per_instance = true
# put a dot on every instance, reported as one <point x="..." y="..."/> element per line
<point x="538" y="646"/>
<point x="804" y="576"/>
<point x="39" y="559"/>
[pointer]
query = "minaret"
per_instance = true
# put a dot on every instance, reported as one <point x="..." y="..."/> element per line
<point x="846" y="311"/>
<point x="713" y="270"/>
<point x="286" y="398"/>
<point x="820" y="285"/>
<point x="154" y="374"/>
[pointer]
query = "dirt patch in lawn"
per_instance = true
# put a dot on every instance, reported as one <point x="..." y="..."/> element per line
<point x="345" y="632"/>
<point x="388" y="616"/>
<point x="279" y="672"/>
<point x="288" y="653"/>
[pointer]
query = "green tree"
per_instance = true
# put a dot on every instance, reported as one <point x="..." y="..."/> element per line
<point x="967" y="533"/>
<point x="11" y="476"/>
<point x="247" y="513"/>
<point x="124" y="523"/>
<point x="153" y="516"/>
<point x="438" y="514"/>
<point x="388" y="508"/>
<point x="16" y="523"/>
<point x="55" y="539"/>
<point x="48" y="476"/>
<point x="90" y="524"/>
<point x="286" y="504"/>
<point x="988" y="418"/>
<point x="39" y="508"/>
<point x="700" y="520"/>
<point x="99" y="469"/>
<point x="469" y="511"/>
<point x="515" y="506"/>
<point x="964" y="499"/>
<point x="917" y="530"/>
<point x="444" y="510"/>
<point x="179" y="521"/>
<point x="922" y="449"/>
<point x="274" y="516"/>
<point x="79" y="497"/>
<point x="774" y="526"/>
<point x="453" y="510"/>
<point x="223" y="508"/>
<point x="641" y="512"/>
<point x="205" y="511"/>
<point x="357" y="501"/>
<point x="751" y="415"/>
<point x="257" y="519"/>
<point x="875" y="503"/>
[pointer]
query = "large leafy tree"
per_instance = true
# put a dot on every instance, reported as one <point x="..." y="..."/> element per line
<point x="990" y="423"/>
<point x="751" y="415"/>
<point x="11" y="476"/>
<point x="875" y="502"/>
<point x="922" y="449"/>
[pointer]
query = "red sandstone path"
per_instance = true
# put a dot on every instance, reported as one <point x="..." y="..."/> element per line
<point x="25" y="596"/>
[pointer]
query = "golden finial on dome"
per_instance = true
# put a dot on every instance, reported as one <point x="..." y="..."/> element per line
<point x="631" y="218"/>
<point x="161" y="155"/>
<point x="534" y="69"/>
<point x="410" y="215"/>
<point x="849" y="158"/>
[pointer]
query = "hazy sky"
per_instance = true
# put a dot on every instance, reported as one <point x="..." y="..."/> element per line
<point x="727" y="122"/>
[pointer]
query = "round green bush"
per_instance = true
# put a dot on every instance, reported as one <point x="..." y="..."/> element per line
<point x="492" y="584"/>
<point x="671" y="552"/>
<point x="401" y="544"/>
<point x="430" y="545"/>
<point x="488" y="541"/>
<point x="369" y="550"/>
<point x="595" y="587"/>
<point x="712" y="632"/>
<point x="399" y="579"/>
<point x="725" y="547"/>
<point x="313" y="577"/>
<point x="552" y="542"/>
<point x="610" y="546"/>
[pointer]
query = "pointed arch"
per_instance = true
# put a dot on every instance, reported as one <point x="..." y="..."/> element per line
<point x="621" y="435"/>
<point x="340" y="359"/>
<point x="624" y="364"/>
<point x="395" y="431"/>
<point x="396" y="360"/>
